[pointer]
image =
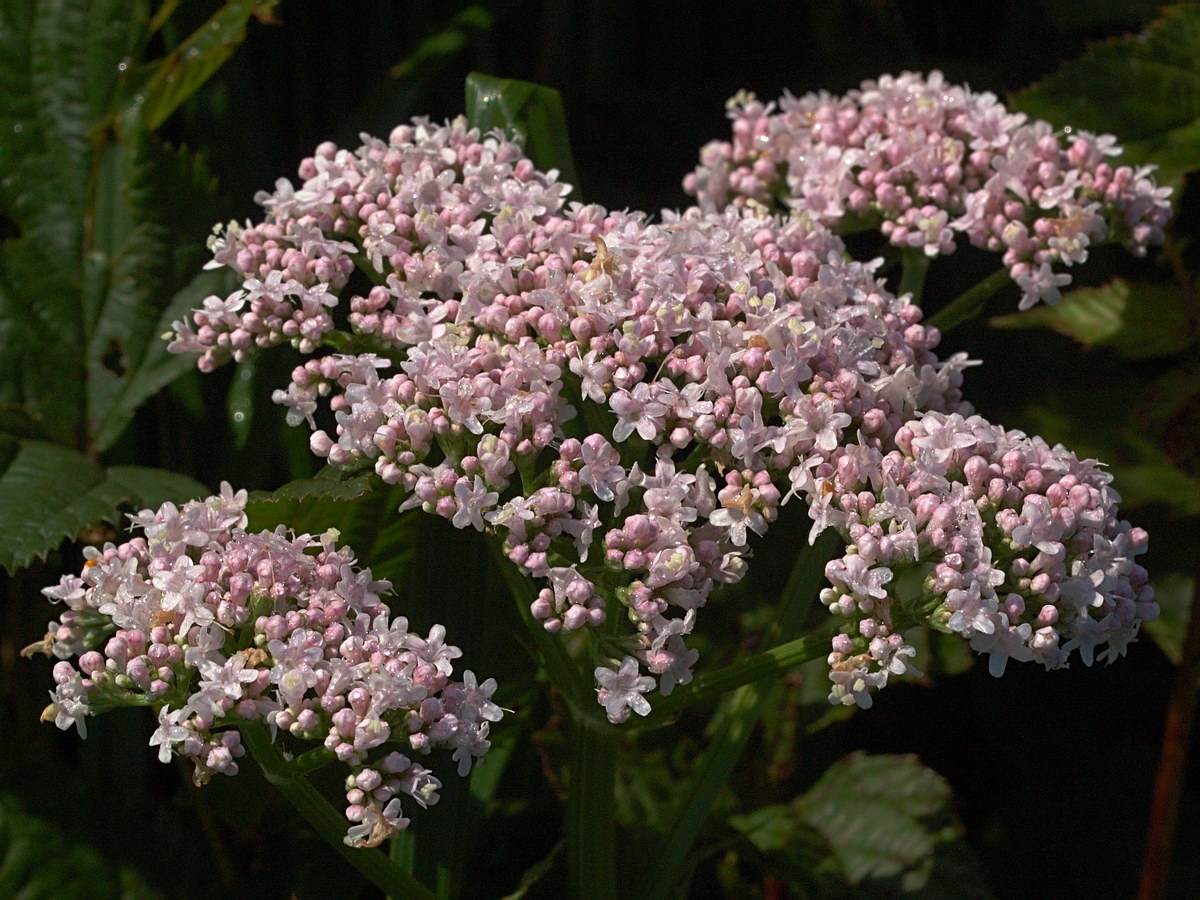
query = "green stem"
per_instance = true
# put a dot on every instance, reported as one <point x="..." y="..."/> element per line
<point x="968" y="304"/>
<point x="311" y="761"/>
<point x="326" y="821"/>
<point x="591" y="824"/>
<point x="737" y="714"/>
<point x="767" y="664"/>
<point x="551" y="652"/>
<point x="403" y="850"/>
<point x="912" y="278"/>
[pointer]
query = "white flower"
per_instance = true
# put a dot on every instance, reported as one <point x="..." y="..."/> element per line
<point x="622" y="690"/>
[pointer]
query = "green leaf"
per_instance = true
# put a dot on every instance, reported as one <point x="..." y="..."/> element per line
<point x="49" y="493"/>
<point x="153" y="368"/>
<point x="37" y="862"/>
<point x="871" y="810"/>
<point x="1174" y="592"/>
<point x="152" y="206"/>
<point x="41" y="367"/>
<point x="531" y="112"/>
<point x="109" y="228"/>
<point x="1135" y="320"/>
<point x="267" y="509"/>
<point x="1151" y="455"/>
<point x="1144" y="88"/>
<point x="182" y="72"/>
<point x="59" y="70"/>
<point x="872" y="826"/>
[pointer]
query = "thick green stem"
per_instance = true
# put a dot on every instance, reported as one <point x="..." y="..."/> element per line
<point x="327" y="821"/>
<point x="968" y="304"/>
<point x="736" y="716"/>
<point x="591" y="824"/>
<point x="912" y="278"/>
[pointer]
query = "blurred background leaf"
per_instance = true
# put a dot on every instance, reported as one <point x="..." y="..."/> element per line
<point x="37" y="862"/>
<point x="1135" y="320"/>
<point x="1143" y="88"/>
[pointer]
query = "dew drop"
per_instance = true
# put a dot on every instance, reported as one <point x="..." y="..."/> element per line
<point x="239" y="416"/>
<point x="123" y="64"/>
<point x="192" y="53"/>
<point x="18" y="128"/>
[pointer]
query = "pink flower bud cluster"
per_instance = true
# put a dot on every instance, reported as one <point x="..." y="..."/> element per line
<point x="215" y="627"/>
<point x="622" y="402"/>
<point x="1025" y="555"/>
<point x="930" y="161"/>
<point x="619" y="400"/>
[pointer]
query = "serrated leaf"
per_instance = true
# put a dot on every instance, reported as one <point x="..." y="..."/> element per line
<point x="531" y="112"/>
<point x="182" y="72"/>
<point x="59" y="67"/>
<point x="49" y="493"/>
<point x="111" y="226"/>
<point x="149" y="199"/>
<point x="360" y="507"/>
<point x="41" y="367"/>
<point x="268" y="508"/>
<point x="38" y="863"/>
<point x="155" y="368"/>
<point x="1144" y="88"/>
<point x="870" y="810"/>
<point x="1135" y="320"/>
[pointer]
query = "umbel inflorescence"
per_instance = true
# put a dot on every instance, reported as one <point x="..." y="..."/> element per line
<point x="219" y="629"/>
<point x="925" y="162"/>
<point x="623" y="402"/>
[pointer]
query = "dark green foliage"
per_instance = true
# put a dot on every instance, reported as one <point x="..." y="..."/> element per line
<point x="49" y="493"/>
<point x="37" y="862"/>
<point x="1144" y="88"/>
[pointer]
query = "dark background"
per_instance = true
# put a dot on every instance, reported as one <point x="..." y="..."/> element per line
<point x="1052" y="772"/>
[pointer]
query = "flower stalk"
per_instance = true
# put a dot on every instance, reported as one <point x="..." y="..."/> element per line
<point x="374" y="865"/>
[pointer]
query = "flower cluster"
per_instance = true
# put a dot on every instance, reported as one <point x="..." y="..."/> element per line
<point x="929" y="161"/>
<point x="1025" y="555"/>
<point x="217" y="628"/>
<point x="621" y="401"/>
